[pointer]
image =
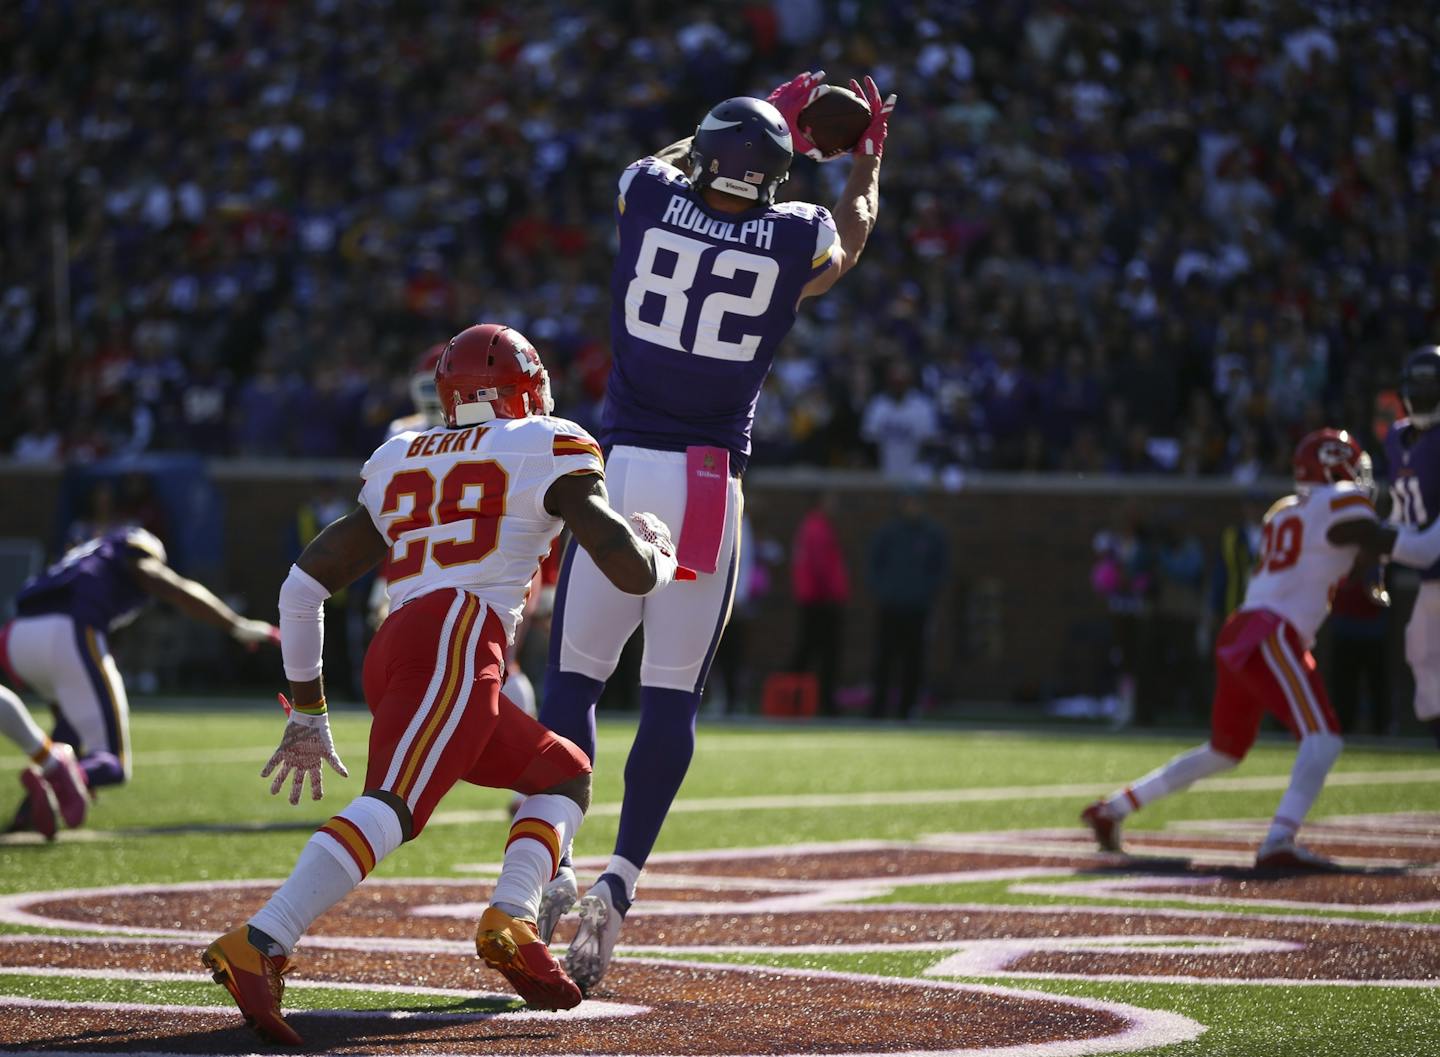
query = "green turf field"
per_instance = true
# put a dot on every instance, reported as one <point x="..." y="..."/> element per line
<point x="197" y="810"/>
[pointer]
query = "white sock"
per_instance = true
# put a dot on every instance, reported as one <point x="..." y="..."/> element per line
<point x="543" y="827"/>
<point x="336" y="858"/>
<point x="16" y="724"/>
<point x="317" y="883"/>
<point x="1179" y="773"/>
<point x="1316" y="755"/>
<point x="627" y="871"/>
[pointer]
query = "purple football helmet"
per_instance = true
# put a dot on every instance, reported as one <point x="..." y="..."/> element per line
<point x="742" y="148"/>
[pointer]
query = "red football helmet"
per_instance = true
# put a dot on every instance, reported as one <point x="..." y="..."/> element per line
<point x="491" y="371"/>
<point x="422" y="385"/>
<point x="1326" y="456"/>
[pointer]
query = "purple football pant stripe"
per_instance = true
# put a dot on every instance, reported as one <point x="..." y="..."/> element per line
<point x="557" y="617"/>
<point x="104" y="694"/>
<point x="721" y="617"/>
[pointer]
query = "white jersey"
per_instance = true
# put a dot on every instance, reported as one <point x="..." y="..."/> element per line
<point x="465" y="508"/>
<point x="1299" y="567"/>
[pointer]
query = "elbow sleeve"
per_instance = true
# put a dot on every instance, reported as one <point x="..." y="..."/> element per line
<point x="302" y="625"/>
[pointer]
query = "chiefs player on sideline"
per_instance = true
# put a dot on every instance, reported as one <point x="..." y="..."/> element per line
<point x="465" y="511"/>
<point x="1262" y="654"/>
<point x="58" y="645"/>
<point x="707" y="282"/>
<point x="1412" y="448"/>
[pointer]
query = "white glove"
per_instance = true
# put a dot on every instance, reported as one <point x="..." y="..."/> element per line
<point x="656" y="533"/>
<point x="254" y="632"/>
<point x="304" y="746"/>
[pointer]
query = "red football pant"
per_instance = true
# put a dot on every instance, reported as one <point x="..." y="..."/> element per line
<point x="432" y="681"/>
<point x="1262" y="666"/>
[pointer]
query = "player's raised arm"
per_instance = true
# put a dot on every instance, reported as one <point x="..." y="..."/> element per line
<point x="858" y="207"/>
<point x="196" y="600"/>
<point x="676" y="153"/>
<point x="635" y="563"/>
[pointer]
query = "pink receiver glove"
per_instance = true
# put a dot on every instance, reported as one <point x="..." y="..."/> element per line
<point x="794" y="96"/>
<point x="872" y="140"/>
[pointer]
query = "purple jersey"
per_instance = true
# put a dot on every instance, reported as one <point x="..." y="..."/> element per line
<point x="92" y="583"/>
<point x="1414" y="458"/>
<point x="700" y="300"/>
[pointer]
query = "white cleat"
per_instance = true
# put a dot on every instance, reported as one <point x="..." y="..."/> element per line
<point x="559" y="896"/>
<point x="589" y="955"/>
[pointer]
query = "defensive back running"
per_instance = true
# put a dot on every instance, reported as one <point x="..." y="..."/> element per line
<point x="464" y="511"/>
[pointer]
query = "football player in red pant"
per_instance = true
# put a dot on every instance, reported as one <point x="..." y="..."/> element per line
<point x="1262" y="656"/>
<point x="465" y="511"/>
<point x="540" y="597"/>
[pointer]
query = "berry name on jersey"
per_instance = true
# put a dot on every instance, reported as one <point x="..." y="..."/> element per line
<point x="434" y="443"/>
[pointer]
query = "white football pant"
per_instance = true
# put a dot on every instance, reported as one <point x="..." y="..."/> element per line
<point x="683" y="621"/>
<point x="70" y="664"/>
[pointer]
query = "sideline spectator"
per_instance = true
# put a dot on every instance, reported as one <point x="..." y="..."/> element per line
<point x="899" y="422"/>
<point x="909" y="566"/>
<point x="822" y="587"/>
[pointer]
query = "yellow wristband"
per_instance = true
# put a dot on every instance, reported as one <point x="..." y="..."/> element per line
<point x="316" y="708"/>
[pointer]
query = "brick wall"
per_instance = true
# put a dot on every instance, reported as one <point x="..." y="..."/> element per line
<point x="1017" y="618"/>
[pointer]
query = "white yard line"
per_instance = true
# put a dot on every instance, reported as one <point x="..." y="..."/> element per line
<point x="888" y="798"/>
<point x="597" y="1011"/>
<point x="1145" y="1028"/>
<point x="967" y="959"/>
<point x="984" y="794"/>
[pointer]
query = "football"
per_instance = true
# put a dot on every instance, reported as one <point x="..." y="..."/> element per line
<point x="835" y="120"/>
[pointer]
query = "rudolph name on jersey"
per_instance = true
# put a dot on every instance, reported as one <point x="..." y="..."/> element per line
<point x="1298" y="566"/>
<point x="465" y="507"/>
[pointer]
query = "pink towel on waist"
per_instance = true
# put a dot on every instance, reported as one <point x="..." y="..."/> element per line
<point x="707" y="484"/>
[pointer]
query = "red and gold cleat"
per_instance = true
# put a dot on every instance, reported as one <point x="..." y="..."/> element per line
<point x="512" y="948"/>
<point x="1105" y="827"/>
<point x="254" y="980"/>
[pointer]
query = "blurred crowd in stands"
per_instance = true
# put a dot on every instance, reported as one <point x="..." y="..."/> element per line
<point x="1134" y="236"/>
